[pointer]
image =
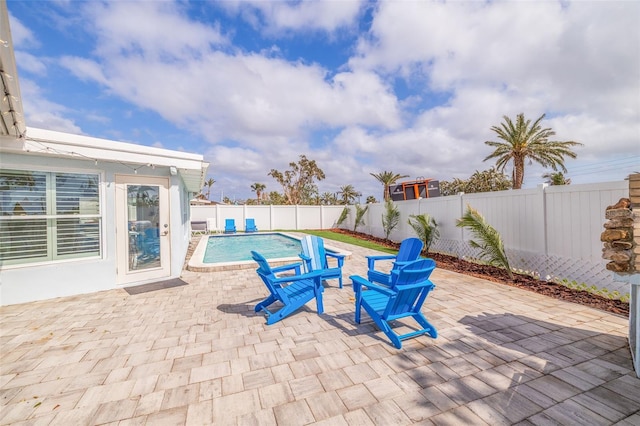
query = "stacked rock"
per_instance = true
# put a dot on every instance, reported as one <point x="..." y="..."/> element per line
<point x="618" y="237"/>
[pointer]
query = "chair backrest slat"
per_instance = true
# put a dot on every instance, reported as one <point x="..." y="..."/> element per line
<point x="313" y="247"/>
<point x="410" y="299"/>
<point x="265" y="273"/>
<point x="410" y="249"/>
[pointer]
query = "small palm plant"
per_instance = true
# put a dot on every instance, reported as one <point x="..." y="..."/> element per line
<point x="425" y="227"/>
<point x="490" y="245"/>
<point x="343" y="216"/>
<point x="360" y="212"/>
<point x="390" y="218"/>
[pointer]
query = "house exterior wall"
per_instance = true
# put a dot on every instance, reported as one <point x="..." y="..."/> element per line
<point x="31" y="282"/>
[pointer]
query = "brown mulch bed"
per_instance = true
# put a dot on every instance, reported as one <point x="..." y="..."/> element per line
<point x="497" y="275"/>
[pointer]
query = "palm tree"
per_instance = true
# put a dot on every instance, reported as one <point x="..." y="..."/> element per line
<point x="343" y="216"/>
<point x="390" y="218"/>
<point x="556" y="178"/>
<point x="328" y="199"/>
<point x="258" y="188"/>
<point x="489" y="241"/>
<point x="523" y="140"/>
<point x="425" y="227"/>
<point x="348" y="194"/>
<point x="360" y="212"/>
<point x="208" y="184"/>
<point x="387" y="179"/>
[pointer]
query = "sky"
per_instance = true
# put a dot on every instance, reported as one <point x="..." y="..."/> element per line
<point x="361" y="87"/>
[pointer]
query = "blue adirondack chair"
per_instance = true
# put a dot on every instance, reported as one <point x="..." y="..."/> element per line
<point x="250" y="225"/>
<point x="229" y="226"/>
<point x="409" y="288"/>
<point x="316" y="258"/>
<point x="293" y="291"/>
<point x="410" y="250"/>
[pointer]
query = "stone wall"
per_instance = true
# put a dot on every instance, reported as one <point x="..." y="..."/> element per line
<point x="618" y="237"/>
<point x="621" y="240"/>
<point x="634" y="198"/>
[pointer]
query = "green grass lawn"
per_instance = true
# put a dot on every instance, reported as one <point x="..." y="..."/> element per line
<point x="329" y="235"/>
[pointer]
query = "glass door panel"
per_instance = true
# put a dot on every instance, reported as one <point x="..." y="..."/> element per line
<point x="144" y="227"/>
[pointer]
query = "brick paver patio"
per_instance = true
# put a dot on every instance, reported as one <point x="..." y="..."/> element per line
<point x="197" y="355"/>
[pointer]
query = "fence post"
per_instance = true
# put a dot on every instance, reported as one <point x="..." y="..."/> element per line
<point x="545" y="235"/>
<point x="461" y="213"/>
<point x="270" y="217"/>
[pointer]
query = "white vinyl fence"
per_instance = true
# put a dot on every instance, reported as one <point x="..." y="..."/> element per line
<point x="269" y="218"/>
<point x="552" y="232"/>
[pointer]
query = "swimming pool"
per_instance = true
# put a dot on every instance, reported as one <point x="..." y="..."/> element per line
<point x="234" y="248"/>
<point x="228" y="252"/>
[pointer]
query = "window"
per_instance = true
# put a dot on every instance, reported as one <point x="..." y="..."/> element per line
<point x="47" y="216"/>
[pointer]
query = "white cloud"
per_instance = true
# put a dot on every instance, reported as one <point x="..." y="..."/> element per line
<point x="277" y="16"/>
<point x="21" y="36"/>
<point x="238" y="96"/>
<point x="31" y="63"/>
<point x="41" y="113"/>
<point x="84" y="69"/>
<point x="149" y="29"/>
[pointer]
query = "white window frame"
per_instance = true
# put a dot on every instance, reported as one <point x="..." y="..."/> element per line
<point x="52" y="217"/>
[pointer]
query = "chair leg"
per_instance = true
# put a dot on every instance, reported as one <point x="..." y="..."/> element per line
<point x="386" y="329"/>
<point x="280" y="314"/>
<point x="426" y="325"/>
<point x="358" y="297"/>
<point x="266" y="302"/>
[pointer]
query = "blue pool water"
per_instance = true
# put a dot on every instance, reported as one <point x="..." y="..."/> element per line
<point x="234" y="248"/>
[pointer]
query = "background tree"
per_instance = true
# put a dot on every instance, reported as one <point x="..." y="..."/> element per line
<point x="525" y="140"/>
<point x="328" y="199"/>
<point x="485" y="181"/>
<point x="387" y="179"/>
<point x="390" y="218"/>
<point x="371" y="200"/>
<point x="298" y="183"/>
<point x="276" y="198"/>
<point x="360" y="212"/>
<point x="258" y="188"/>
<point x="489" y="241"/>
<point x="348" y="194"/>
<point x="556" y="178"/>
<point x="425" y="228"/>
<point x="208" y="184"/>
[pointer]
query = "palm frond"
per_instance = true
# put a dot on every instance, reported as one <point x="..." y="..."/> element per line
<point x="390" y="218"/>
<point x="425" y="227"/>
<point x="360" y="212"/>
<point x="488" y="241"/>
<point x="343" y="216"/>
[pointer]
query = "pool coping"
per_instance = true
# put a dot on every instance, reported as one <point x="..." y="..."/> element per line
<point x="196" y="264"/>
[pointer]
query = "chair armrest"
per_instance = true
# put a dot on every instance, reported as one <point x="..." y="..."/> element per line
<point x="302" y="277"/>
<point x="371" y="260"/>
<point x="306" y="260"/>
<point x="338" y="256"/>
<point x="359" y="282"/>
<point x="417" y="285"/>
<point x="283" y="268"/>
